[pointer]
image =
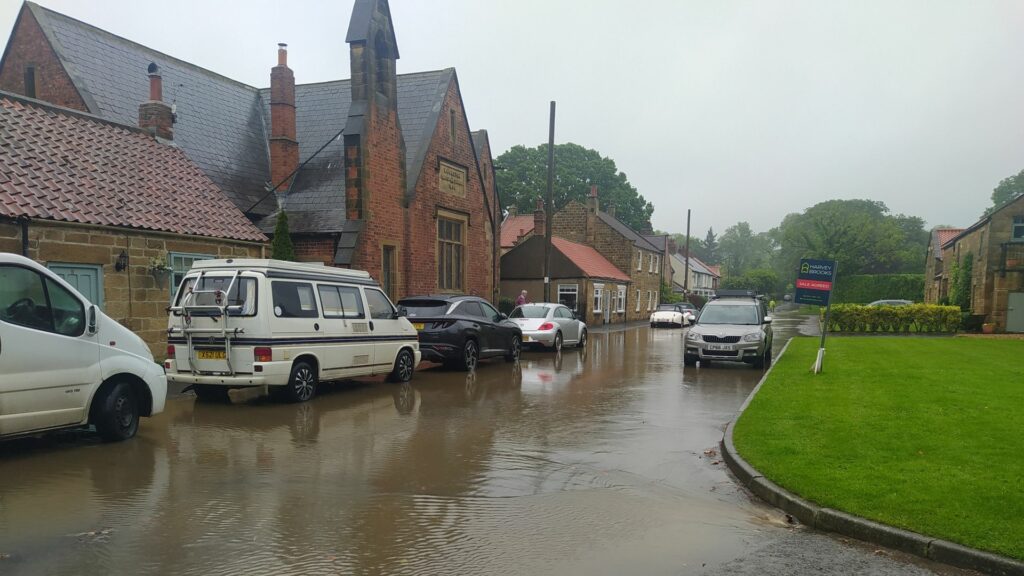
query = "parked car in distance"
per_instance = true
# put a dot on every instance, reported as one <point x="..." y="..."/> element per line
<point x="64" y="363"/>
<point x="690" y="311"/>
<point x="285" y="326"/>
<point x="549" y="325"/>
<point x="734" y="329"/>
<point x="671" y="315"/>
<point x="459" y="331"/>
<point x="891" y="303"/>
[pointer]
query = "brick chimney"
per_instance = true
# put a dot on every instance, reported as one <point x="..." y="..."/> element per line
<point x="610" y="210"/>
<point x="284" y="148"/>
<point x="538" y="219"/>
<point x="592" y="204"/>
<point x="156" y="115"/>
<point x="592" y="207"/>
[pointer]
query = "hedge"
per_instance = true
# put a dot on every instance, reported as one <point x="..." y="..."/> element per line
<point x="896" y="319"/>
<point x="866" y="288"/>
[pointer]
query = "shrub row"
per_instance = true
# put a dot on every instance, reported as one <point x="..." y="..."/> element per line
<point x="897" y="319"/>
<point x="865" y="288"/>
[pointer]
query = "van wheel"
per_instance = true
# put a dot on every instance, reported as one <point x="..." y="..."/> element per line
<point x="116" y="416"/>
<point x="403" y="366"/>
<point x="470" y="355"/>
<point x="211" y="392"/>
<point x="301" y="384"/>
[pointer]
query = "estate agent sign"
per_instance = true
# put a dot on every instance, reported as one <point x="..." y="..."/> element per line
<point x="814" y="282"/>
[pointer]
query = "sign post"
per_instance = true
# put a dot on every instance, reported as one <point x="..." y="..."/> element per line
<point x="814" y="286"/>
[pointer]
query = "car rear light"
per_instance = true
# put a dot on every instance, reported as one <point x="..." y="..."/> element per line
<point x="261" y="354"/>
<point x="170" y="350"/>
<point x="546" y="326"/>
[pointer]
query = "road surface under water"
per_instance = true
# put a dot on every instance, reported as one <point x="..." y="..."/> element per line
<point x="596" y="461"/>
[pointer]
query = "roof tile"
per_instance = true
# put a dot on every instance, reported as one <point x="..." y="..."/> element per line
<point x="588" y="260"/>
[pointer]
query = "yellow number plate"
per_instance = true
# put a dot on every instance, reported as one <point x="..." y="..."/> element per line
<point x="210" y="354"/>
<point x="417" y="325"/>
<point x="526" y="338"/>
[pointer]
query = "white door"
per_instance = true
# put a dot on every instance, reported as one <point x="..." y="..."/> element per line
<point x="48" y="360"/>
<point x="349" y="353"/>
<point x="1015" y="312"/>
<point x="387" y="330"/>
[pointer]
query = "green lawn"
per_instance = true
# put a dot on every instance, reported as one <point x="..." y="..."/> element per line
<point x="922" y="433"/>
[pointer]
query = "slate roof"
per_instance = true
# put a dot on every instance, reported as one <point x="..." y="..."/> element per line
<point x="49" y="160"/>
<point x="321" y="111"/>
<point x="696" y="264"/>
<point x="588" y="260"/>
<point x="513" y="227"/>
<point x="941" y="236"/>
<point x="219" y="121"/>
<point x="638" y="240"/>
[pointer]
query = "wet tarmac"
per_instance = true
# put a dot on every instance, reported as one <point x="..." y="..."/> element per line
<point x="595" y="461"/>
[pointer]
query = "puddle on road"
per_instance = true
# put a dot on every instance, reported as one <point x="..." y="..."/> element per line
<point x="582" y="461"/>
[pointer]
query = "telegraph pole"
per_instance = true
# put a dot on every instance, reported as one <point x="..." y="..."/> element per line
<point x="686" y="276"/>
<point x="549" y="215"/>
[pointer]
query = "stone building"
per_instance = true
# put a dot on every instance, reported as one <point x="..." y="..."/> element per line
<point x="936" y="280"/>
<point x="114" y="209"/>
<point x="996" y="246"/>
<point x="379" y="172"/>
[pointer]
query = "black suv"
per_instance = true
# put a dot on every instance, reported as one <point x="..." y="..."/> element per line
<point x="458" y="331"/>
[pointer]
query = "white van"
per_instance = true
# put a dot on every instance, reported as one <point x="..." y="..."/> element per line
<point x="284" y="326"/>
<point x="64" y="363"/>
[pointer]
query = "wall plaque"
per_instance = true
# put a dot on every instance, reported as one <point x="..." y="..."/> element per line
<point x="452" y="179"/>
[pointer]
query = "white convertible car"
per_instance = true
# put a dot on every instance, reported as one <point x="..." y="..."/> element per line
<point x="671" y="315"/>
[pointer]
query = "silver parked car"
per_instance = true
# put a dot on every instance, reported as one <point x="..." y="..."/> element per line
<point x="549" y="325"/>
<point x="731" y="329"/>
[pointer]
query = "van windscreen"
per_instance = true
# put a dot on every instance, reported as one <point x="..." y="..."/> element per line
<point x="242" y="294"/>
<point x="424" y="308"/>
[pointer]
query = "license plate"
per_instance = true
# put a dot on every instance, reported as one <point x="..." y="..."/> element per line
<point x="723" y="347"/>
<point x="209" y="354"/>
<point x="417" y="325"/>
<point x="526" y="338"/>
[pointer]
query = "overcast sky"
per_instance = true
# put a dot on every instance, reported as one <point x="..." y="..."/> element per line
<point x="738" y="110"/>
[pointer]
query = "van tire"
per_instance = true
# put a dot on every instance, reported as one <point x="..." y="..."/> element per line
<point x="211" y="393"/>
<point x="116" y="414"/>
<point x="302" y="383"/>
<point x="404" y="366"/>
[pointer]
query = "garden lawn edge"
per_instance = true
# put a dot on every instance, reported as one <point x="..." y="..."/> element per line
<point x="829" y="520"/>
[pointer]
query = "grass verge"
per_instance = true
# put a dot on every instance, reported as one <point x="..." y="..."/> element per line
<point x="926" y="434"/>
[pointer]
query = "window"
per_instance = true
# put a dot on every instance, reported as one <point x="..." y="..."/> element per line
<point x="568" y="295"/>
<point x="469" y="308"/>
<point x="490" y="312"/>
<point x="450" y="253"/>
<point x="622" y="300"/>
<point x="341" y="302"/>
<point x="26" y="302"/>
<point x="180" y="265"/>
<point x="563" y="312"/>
<point x="243" y="294"/>
<point x="451" y="125"/>
<point x="1018" y="229"/>
<point x="639" y="260"/>
<point x="657" y="263"/>
<point x="650" y="300"/>
<point x="380" y="306"/>
<point x="68" y="312"/>
<point x="387" y="270"/>
<point x="637" y="300"/>
<point x="294" y="300"/>
<point x="30" y="81"/>
<point x="598" y="293"/>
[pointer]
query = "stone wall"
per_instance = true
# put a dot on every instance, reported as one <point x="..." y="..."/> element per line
<point x="134" y="297"/>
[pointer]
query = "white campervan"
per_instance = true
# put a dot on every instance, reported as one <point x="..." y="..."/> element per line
<point x="64" y="363"/>
<point x="284" y="326"/>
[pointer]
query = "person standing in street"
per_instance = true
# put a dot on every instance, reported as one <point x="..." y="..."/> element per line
<point x="521" y="299"/>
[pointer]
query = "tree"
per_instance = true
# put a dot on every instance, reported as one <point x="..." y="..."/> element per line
<point x="281" y="246"/>
<point x="1008" y="189"/>
<point x="960" y="283"/>
<point x="710" y="246"/>
<point x="740" y="250"/>
<point x="522" y="178"/>
<point x="763" y="281"/>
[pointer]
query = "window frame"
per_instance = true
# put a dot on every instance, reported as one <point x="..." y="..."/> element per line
<point x="575" y="291"/>
<point x="29" y="73"/>
<point x="43" y="283"/>
<point x="369" y="309"/>
<point x="344" y="313"/>
<point x="621" y="307"/>
<point x="389" y="274"/>
<point x="638" y="300"/>
<point x="440" y="261"/>
<point x="315" y="294"/>
<point x="639" y="260"/>
<point x="1015" y="225"/>
<point x="171" y="256"/>
<point x="598" y="296"/>
<point x="650" y="299"/>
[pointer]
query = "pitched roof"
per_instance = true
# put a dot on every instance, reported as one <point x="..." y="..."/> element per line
<point x="965" y="231"/>
<point x="638" y="240"/>
<point x="513" y="227"/>
<point x="49" y="169"/>
<point x="219" y="124"/>
<point x="588" y="260"/>
<point x="695" y="264"/>
<point x="940" y="236"/>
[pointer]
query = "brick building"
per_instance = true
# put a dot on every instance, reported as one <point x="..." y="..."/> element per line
<point x="996" y="246"/>
<point x="379" y="172"/>
<point x="112" y="232"/>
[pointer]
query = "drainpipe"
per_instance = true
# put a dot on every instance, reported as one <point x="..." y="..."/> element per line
<point x="24" y="235"/>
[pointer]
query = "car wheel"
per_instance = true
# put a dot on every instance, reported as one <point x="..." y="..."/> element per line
<point x="557" y="346"/>
<point x="583" y="339"/>
<point x="689" y="360"/>
<point x="211" y="392"/>
<point x="759" y="362"/>
<point x="302" y="383"/>
<point x="515" y="350"/>
<point x="404" y="368"/>
<point x="116" y="416"/>
<point x="470" y="355"/>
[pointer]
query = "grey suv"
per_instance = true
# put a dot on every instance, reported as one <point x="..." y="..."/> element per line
<point x="731" y="329"/>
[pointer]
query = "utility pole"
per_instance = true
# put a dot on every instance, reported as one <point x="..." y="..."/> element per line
<point x="549" y="217"/>
<point x="686" y="276"/>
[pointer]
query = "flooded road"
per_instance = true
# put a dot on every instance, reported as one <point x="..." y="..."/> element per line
<point x="595" y="461"/>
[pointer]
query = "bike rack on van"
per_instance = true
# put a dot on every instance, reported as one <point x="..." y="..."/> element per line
<point x="188" y="306"/>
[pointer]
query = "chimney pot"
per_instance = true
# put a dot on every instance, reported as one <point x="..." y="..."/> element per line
<point x="156" y="83"/>
<point x="282" y="54"/>
<point x="284" y="147"/>
<point x="156" y="115"/>
<point x="539" y="219"/>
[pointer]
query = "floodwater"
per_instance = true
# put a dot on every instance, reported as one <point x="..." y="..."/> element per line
<point x="596" y="461"/>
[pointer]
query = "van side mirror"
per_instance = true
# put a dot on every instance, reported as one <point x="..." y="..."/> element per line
<point x="92" y="319"/>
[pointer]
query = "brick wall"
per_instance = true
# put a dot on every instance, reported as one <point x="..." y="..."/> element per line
<point x="134" y="297"/>
<point x="28" y="46"/>
<point x="314" y="248"/>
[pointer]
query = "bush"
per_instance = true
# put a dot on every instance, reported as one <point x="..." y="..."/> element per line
<point x="865" y="288"/>
<point x="893" y="319"/>
<point x="697" y="300"/>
